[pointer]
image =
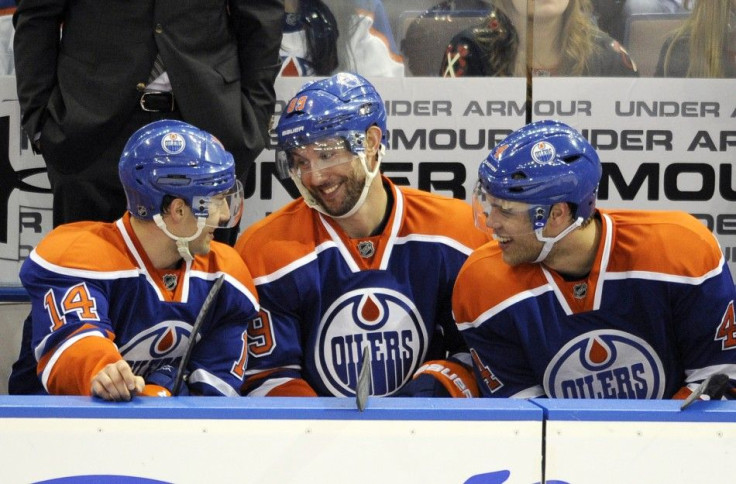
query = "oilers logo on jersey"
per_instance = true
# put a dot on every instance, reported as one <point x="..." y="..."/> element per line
<point x="162" y="344"/>
<point x="605" y="364"/>
<point x="385" y="321"/>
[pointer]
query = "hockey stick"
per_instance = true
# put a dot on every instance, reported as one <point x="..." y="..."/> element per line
<point x="363" y="387"/>
<point x="204" y="310"/>
<point x="714" y="386"/>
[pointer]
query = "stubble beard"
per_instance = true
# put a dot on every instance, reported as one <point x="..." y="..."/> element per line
<point x="353" y="187"/>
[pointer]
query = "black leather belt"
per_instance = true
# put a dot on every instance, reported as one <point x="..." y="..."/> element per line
<point x="158" y="102"/>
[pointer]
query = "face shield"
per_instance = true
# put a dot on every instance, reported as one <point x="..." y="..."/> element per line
<point x="486" y="206"/>
<point x="298" y="157"/>
<point x="515" y="219"/>
<point x="222" y="210"/>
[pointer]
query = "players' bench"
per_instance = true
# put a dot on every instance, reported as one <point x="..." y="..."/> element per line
<point x="424" y="37"/>
<point x="644" y="36"/>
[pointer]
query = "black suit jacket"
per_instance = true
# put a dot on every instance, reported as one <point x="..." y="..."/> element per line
<point x="81" y="66"/>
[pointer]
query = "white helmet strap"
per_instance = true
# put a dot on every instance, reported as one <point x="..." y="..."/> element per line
<point x="182" y="243"/>
<point x="549" y="242"/>
<point x="369" y="176"/>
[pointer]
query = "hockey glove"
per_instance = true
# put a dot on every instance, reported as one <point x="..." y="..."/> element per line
<point x="441" y="378"/>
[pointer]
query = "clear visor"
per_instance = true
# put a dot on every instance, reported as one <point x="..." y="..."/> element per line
<point x="487" y="208"/>
<point x="224" y="209"/>
<point x="300" y="159"/>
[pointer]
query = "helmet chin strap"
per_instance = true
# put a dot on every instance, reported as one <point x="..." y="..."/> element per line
<point x="182" y="243"/>
<point x="549" y="242"/>
<point x="369" y="176"/>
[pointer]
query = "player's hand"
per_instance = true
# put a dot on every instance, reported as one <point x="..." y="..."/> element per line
<point x="116" y="382"/>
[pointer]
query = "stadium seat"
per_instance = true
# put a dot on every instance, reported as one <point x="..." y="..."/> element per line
<point x="644" y="36"/>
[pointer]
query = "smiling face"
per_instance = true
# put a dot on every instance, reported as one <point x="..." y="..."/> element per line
<point x="334" y="176"/>
<point x="513" y="230"/>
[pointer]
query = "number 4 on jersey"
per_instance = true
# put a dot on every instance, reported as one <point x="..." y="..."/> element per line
<point x="727" y="329"/>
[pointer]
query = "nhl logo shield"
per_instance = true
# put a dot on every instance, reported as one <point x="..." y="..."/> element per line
<point x="366" y="249"/>
<point x="170" y="281"/>
<point x="579" y="291"/>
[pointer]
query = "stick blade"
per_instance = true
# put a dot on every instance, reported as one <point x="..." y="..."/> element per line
<point x="363" y="388"/>
<point x="695" y="394"/>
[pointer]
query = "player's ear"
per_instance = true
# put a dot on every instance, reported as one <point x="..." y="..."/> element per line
<point x="560" y="214"/>
<point x="177" y="209"/>
<point x="372" y="141"/>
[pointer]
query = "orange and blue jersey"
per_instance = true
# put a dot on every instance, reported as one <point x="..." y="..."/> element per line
<point x="96" y="298"/>
<point x="326" y="297"/>
<point x="654" y="315"/>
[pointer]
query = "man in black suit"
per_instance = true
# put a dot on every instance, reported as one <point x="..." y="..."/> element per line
<point x="85" y="84"/>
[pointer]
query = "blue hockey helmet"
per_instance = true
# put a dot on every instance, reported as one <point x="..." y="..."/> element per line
<point x="343" y="107"/>
<point x="543" y="163"/>
<point x="174" y="158"/>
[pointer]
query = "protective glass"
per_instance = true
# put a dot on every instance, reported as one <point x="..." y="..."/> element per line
<point x="484" y="205"/>
<point x="300" y="159"/>
<point x="230" y="202"/>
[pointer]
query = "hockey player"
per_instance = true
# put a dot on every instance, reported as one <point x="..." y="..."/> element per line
<point x="354" y="263"/>
<point x="113" y="304"/>
<point x="579" y="302"/>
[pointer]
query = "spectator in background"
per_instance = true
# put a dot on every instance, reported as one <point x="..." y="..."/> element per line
<point x="345" y="35"/>
<point x="121" y="65"/>
<point x="579" y="302"/>
<point x="356" y="263"/>
<point x="705" y="44"/>
<point x="552" y="38"/>
<point x="7" y="64"/>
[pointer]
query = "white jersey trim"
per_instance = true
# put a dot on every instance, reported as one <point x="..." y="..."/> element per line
<point x="211" y="276"/>
<point x="695" y="376"/>
<point x="82" y="273"/>
<point x="292" y="266"/>
<point x="268" y="385"/>
<point x="558" y="294"/>
<point x="660" y="276"/>
<point x="202" y="376"/>
<point x="485" y="316"/>
<point x="646" y="275"/>
<point x="336" y="242"/>
<point x="605" y="258"/>
<point x="531" y="392"/>
<point x="290" y="367"/>
<point x="57" y="354"/>
<point x="393" y="236"/>
<point x="436" y="239"/>
<point x="141" y="266"/>
<point x="463" y="358"/>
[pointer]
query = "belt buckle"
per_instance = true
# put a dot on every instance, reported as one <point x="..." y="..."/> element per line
<point x="142" y="101"/>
